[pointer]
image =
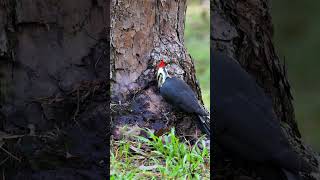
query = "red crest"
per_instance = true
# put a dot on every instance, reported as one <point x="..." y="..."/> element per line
<point x="162" y="64"/>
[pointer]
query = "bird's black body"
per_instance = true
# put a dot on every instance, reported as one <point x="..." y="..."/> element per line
<point x="180" y="95"/>
<point x="245" y="123"/>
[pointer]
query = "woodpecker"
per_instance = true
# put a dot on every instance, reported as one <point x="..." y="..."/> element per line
<point x="179" y="94"/>
<point x="245" y="123"/>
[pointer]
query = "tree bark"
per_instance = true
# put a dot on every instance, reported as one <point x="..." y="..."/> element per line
<point x="143" y="33"/>
<point x="243" y="30"/>
<point x="53" y="71"/>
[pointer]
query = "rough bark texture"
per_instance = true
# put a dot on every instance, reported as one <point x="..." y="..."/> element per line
<point x="243" y="30"/>
<point x="144" y="32"/>
<point x="53" y="71"/>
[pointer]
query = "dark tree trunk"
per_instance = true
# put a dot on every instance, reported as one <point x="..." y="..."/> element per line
<point x="53" y="72"/>
<point x="243" y="29"/>
<point x="143" y="33"/>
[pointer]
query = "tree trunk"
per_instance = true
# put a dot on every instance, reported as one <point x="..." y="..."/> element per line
<point x="143" y="33"/>
<point x="243" y="30"/>
<point x="53" y="67"/>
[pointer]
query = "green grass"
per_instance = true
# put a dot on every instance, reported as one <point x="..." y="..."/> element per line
<point x="164" y="157"/>
<point x="197" y="41"/>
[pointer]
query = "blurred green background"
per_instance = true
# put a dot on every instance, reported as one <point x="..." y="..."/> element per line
<point x="297" y="40"/>
<point x="197" y="41"/>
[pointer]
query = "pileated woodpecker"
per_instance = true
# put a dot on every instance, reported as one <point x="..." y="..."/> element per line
<point x="245" y="123"/>
<point x="180" y="95"/>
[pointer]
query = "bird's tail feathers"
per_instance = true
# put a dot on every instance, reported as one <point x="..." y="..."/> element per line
<point x="204" y="123"/>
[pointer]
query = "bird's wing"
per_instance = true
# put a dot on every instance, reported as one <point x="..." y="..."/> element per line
<point x="244" y="116"/>
<point x="180" y="94"/>
<point x="230" y="78"/>
<point x="253" y="132"/>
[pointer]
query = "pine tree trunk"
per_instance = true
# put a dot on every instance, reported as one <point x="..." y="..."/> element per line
<point x="143" y="33"/>
<point x="243" y="30"/>
<point x="53" y="68"/>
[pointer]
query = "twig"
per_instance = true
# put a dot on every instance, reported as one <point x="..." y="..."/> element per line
<point x="95" y="65"/>
<point x="78" y="107"/>
<point x="14" y="157"/>
<point x="3" y="161"/>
